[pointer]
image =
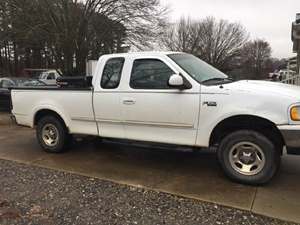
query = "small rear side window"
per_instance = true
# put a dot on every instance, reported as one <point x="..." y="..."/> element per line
<point x="112" y="71"/>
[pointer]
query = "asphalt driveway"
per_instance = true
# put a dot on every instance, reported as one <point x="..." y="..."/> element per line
<point x="188" y="174"/>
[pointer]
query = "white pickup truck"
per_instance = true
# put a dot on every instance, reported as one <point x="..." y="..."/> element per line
<point x="49" y="76"/>
<point x="174" y="98"/>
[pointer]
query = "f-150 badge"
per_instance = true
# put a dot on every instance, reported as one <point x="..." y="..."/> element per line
<point x="210" y="104"/>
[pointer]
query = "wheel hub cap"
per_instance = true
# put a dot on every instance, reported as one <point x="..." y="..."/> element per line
<point x="247" y="158"/>
<point x="50" y="135"/>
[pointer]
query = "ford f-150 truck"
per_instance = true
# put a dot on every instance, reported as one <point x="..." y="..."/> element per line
<point x="173" y="98"/>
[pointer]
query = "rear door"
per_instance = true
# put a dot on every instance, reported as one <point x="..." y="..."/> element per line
<point x="153" y="111"/>
<point x="107" y="98"/>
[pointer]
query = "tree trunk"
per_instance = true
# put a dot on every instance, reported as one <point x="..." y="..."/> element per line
<point x="1" y="62"/>
<point x="16" y="59"/>
<point x="10" y="66"/>
<point x="27" y="57"/>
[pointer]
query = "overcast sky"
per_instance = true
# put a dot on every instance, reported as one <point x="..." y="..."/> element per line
<point x="267" y="19"/>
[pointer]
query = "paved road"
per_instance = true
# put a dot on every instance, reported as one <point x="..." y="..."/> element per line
<point x="193" y="175"/>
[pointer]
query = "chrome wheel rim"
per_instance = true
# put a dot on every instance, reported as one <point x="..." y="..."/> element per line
<point x="247" y="158"/>
<point x="50" y="135"/>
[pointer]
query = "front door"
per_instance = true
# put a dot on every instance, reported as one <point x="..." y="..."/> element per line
<point x="153" y="111"/>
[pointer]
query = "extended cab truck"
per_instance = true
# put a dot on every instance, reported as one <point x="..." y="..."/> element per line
<point x="175" y="98"/>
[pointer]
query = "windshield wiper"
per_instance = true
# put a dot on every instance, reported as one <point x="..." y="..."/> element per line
<point x="218" y="80"/>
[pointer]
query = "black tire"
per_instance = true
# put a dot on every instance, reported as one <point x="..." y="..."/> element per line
<point x="267" y="169"/>
<point x="97" y="141"/>
<point x="63" y="138"/>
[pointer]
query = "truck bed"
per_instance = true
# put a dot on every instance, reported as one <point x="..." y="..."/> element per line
<point x="73" y="104"/>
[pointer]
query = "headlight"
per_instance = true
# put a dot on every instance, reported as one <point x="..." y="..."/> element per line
<point x="295" y="113"/>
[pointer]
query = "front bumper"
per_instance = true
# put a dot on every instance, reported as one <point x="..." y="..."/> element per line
<point x="291" y="136"/>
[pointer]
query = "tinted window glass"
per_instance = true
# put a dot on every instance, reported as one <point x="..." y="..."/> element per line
<point x="150" y="74"/>
<point x="196" y="68"/>
<point x="112" y="73"/>
<point x="51" y="76"/>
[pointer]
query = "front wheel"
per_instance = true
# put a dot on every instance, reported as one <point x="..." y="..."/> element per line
<point x="248" y="157"/>
<point x="52" y="134"/>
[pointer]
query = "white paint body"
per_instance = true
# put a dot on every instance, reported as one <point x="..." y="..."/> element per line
<point x="166" y="116"/>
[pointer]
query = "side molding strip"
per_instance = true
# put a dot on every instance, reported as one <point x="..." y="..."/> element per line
<point x="131" y="122"/>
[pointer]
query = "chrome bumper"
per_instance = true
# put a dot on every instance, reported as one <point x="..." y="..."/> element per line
<point x="291" y="136"/>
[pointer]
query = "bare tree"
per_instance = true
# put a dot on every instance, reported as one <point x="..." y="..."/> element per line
<point x="65" y="33"/>
<point x="256" y="59"/>
<point x="182" y="35"/>
<point x="217" y="42"/>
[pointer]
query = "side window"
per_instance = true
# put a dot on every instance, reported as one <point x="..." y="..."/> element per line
<point x="51" y="76"/>
<point x="112" y="71"/>
<point x="150" y="74"/>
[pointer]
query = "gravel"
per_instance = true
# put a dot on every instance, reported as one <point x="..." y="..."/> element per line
<point x="33" y="195"/>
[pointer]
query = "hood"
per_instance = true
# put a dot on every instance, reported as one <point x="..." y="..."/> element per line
<point x="265" y="87"/>
<point x="265" y="99"/>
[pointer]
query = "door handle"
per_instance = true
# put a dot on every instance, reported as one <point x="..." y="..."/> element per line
<point x="128" y="102"/>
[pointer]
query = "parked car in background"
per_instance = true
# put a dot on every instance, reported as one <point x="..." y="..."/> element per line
<point x="49" y="76"/>
<point x="7" y="83"/>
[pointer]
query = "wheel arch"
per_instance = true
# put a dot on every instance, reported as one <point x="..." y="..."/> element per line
<point x="247" y="122"/>
<point x="45" y="112"/>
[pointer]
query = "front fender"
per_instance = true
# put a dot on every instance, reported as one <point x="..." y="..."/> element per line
<point x="226" y="108"/>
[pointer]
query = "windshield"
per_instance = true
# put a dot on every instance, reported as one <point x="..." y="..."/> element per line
<point x="195" y="67"/>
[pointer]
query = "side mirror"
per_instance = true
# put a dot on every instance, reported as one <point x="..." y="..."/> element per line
<point x="176" y="81"/>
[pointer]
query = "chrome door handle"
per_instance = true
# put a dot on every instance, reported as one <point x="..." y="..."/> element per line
<point x="128" y="102"/>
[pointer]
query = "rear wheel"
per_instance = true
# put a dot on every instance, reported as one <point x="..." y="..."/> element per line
<point x="248" y="157"/>
<point x="52" y="134"/>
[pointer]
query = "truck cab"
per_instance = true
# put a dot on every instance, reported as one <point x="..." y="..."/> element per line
<point x="133" y="99"/>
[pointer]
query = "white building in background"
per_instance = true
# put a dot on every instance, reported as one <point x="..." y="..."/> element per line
<point x="296" y="39"/>
<point x="294" y="63"/>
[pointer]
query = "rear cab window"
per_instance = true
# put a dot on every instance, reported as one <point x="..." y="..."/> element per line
<point x="112" y="72"/>
<point x="51" y="76"/>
